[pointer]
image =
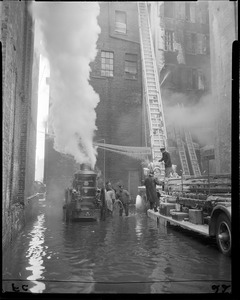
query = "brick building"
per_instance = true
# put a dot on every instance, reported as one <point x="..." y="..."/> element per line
<point x="19" y="116"/>
<point x="117" y="77"/>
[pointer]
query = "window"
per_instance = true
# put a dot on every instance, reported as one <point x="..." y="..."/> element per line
<point x="195" y="79"/>
<point x="202" y="43"/>
<point x="169" y="40"/>
<point x="200" y="80"/>
<point x="131" y="66"/>
<point x="106" y="63"/>
<point x="169" y="76"/>
<point x="190" y="11"/>
<point x="191" y="45"/>
<point x="120" y="22"/>
<point x="168" y="10"/>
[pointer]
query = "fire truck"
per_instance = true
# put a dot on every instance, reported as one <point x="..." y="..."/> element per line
<point x="200" y="204"/>
<point x="81" y="201"/>
<point x="195" y="202"/>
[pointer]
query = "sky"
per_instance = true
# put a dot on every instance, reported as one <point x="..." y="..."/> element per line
<point x="43" y="104"/>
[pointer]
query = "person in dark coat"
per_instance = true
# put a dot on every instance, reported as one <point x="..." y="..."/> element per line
<point x="124" y="196"/>
<point x="151" y="192"/>
<point x="167" y="162"/>
<point x="103" y="205"/>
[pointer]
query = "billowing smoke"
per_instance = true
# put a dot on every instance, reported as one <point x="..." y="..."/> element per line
<point x="197" y="116"/>
<point x="70" y="31"/>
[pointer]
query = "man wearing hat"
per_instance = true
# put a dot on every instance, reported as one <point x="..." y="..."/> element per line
<point x="124" y="196"/>
<point x="167" y="161"/>
<point x="151" y="192"/>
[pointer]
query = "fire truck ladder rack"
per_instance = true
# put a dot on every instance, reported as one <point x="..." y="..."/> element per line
<point x="182" y="153"/>
<point x="192" y="153"/>
<point x="158" y="136"/>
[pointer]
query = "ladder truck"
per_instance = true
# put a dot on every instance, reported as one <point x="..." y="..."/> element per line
<point x="196" y="203"/>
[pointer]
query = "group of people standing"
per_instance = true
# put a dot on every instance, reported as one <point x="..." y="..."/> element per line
<point x="109" y="196"/>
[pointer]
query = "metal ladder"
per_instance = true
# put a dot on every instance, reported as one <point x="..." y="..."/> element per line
<point x="158" y="134"/>
<point x="182" y="153"/>
<point x="192" y="154"/>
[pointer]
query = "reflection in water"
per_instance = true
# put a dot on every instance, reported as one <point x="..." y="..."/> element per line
<point x="138" y="228"/>
<point x="120" y="255"/>
<point x="35" y="254"/>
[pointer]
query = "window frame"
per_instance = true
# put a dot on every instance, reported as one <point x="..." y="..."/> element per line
<point x="195" y="77"/>
<point x="106" y="58"/>
<point x="116" y="30"/>
<point x="191" y="50"/>
<point x="128" y="60"/>
<point x="166" y="43"/>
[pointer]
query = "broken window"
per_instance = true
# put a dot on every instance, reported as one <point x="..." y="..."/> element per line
<point x="120" y="22"/>
<point x="107" y="63"/>
<point x="131" y="66"/>
<point x="168" y="40"/>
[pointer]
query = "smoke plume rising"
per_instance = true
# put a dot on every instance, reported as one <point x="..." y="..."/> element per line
<point x="70" y="31"/>
<point x="196" y="116"/>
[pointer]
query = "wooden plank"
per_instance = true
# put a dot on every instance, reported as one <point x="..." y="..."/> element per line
<point x="202" y="229"/>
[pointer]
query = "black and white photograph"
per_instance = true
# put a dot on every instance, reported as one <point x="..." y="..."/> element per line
<point x="117" y="147"/>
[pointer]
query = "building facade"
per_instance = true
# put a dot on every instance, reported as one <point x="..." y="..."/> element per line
<point x="19" y="116"/>
<point x="185" y="53"/>
<point x="223" y="31"/>
<point x="117" y="77"/>
<point x="180" y="33"/>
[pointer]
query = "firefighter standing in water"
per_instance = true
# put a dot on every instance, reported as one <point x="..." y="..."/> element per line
<point x="124" y="197"/>
<point x="151" y="192"/>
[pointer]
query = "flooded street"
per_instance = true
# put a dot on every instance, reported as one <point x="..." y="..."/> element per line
<point x="120" y="255"/>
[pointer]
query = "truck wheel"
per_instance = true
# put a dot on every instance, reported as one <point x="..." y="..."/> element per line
<point x="223" y="234"/>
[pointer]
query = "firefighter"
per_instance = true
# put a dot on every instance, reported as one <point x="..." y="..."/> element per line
<point x="103" y="204"/>
<point x="167" y="162"/>
<point x="151" y="192"/>
<point x="124" y="196"/>
<point x="110" y="197"/>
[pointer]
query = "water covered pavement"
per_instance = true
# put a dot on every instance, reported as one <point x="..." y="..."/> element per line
<point x="120" y="255"/>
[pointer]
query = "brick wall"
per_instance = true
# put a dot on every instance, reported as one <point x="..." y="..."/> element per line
<point x="119" y="113"/>
<point x="222" y="34"/>
<point x="17" y="49"/>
